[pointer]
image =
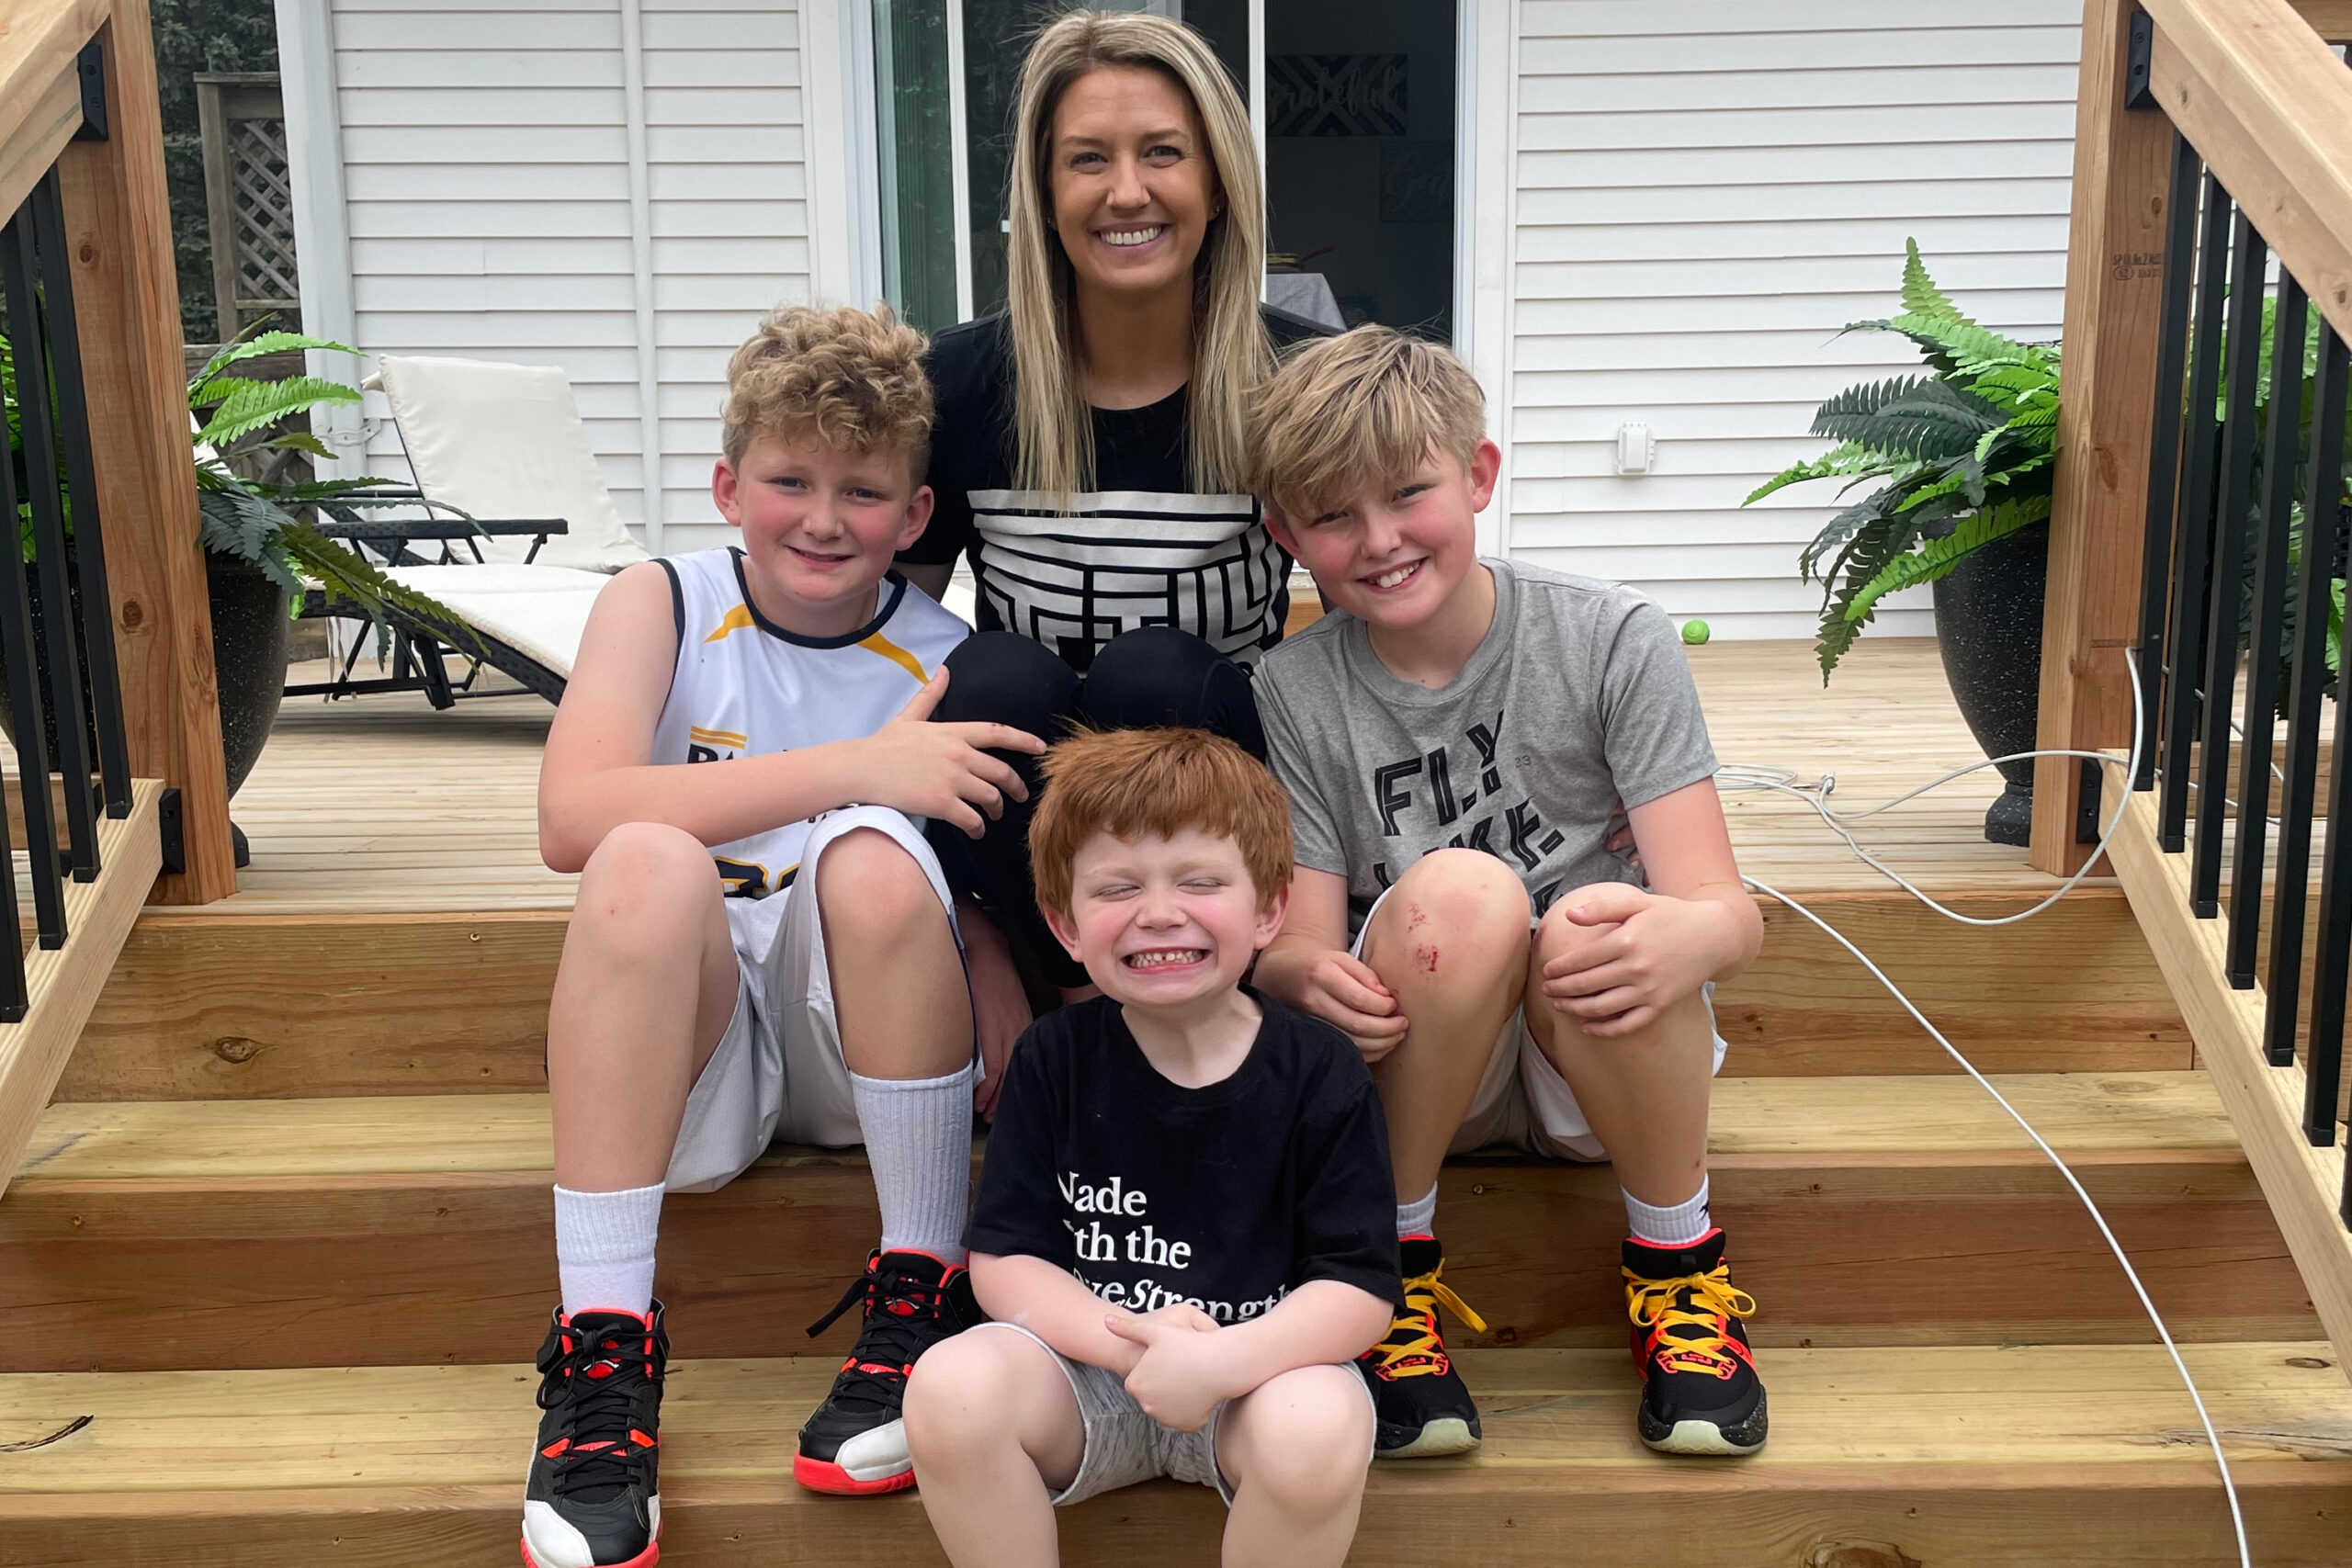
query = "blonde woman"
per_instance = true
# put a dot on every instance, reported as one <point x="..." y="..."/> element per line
<point x="1087" y="457"/>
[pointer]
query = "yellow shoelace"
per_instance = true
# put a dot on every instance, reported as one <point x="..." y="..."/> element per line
<point x="1666" y="1305"/>
<point x="1412" y="1348"/>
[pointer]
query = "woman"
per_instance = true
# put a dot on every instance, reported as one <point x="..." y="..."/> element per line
<point x="1087" y="455"/>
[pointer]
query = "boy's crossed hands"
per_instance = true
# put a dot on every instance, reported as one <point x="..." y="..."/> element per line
<point x="1177" y="1371"/>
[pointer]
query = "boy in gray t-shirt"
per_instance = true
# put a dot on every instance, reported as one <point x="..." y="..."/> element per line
<point x="1456" y="737"/>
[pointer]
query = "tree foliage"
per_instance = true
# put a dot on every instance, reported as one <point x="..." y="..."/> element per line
<point x="193" y="35"/>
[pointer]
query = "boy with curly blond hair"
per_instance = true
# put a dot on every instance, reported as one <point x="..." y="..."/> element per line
<point x="763" y="944"/>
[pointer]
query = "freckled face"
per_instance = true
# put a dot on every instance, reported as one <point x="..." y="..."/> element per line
<point x="1161" y="922"/>
<point x="1132" y="190"/>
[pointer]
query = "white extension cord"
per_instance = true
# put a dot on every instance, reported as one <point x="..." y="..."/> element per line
<point x="1781" y="780"/>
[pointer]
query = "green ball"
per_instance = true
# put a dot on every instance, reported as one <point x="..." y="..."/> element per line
<point x="1694" y="632"/>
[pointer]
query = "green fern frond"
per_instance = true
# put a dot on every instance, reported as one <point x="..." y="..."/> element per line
<point x="1931" y="419"/>
<point x="1920" y="295"/>
<point x="261" y="342"/>
<point x="248" y="406"/>
<point x="1939" y="556"/>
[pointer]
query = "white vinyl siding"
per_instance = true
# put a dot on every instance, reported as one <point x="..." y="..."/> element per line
<point x="1707" y="191"/>
<point x="486" y="166"/>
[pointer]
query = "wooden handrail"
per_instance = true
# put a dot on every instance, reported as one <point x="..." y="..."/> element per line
<point x="39" y="43"/>
<point x="2268" y="107"/>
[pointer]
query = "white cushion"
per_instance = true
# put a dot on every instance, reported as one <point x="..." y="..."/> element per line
<point x="540" y="611"/>
<point x="505" y="441"/>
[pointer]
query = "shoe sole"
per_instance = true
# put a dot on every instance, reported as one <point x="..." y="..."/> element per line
<point x="1448" y="1434"/>
<point x="1700" y="1437"/>
<point x="823" y="1475"/>
<point x="646" y="1558"/>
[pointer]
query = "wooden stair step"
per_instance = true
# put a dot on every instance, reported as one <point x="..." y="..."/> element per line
<point x="200" y="1004"/>
<point x="144" y="1235"/>
<point x="1953" y="1457"/>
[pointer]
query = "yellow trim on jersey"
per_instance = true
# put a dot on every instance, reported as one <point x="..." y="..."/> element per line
<point x="898" y="656"/>
<point x="738" y="619"/>
<point x="718" y="737"/>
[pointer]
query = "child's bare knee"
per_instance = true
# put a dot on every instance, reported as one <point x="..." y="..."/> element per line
<point x="640" y="883"/>
<point x="1307" y="1439"/>
<point x="1458" y="916"/>
<point x="869" y="883"/>
<point x="956" y="1398"/>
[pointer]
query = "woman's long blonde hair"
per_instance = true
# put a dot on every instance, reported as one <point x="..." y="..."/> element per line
<point x="1052" y="427"/>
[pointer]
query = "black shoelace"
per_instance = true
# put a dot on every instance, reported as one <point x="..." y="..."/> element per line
<point x="902" y="1314"/>
<point x="602" y="1409"/>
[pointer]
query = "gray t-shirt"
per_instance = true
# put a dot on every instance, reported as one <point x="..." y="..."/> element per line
<point x="1578" y="697"/>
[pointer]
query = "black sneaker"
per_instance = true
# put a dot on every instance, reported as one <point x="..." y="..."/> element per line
<point x="1700" y="1391"/>
<point x="855" y="1445"/>
<point x="1421" y="1408"/>
<point x="591" y="1501"/>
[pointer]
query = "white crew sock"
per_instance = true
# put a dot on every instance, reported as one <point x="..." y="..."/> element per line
<point x="604" y="1248"/>
<point x="1678" y="1224"/>
<point x="1415" y="1217"/>
<point x="918" y="1140"/>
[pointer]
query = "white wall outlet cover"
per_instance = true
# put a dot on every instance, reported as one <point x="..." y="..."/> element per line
<point x="1636" y="448"/>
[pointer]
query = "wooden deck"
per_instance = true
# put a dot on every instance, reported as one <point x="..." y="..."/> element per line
<point x="379" y="804"/>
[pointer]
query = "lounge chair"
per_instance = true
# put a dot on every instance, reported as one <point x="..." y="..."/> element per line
<point x="520" y="533"/>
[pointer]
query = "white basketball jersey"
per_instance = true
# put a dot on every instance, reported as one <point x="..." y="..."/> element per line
<point x="744" y="687"/>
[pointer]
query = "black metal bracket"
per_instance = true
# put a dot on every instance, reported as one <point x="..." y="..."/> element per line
<point x="2137" y="91"/>
<point x="2087" y="814"/>
<point x="93" y="67"/>
<point x="167" y="824"/>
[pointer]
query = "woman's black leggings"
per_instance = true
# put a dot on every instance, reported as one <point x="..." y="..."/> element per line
<point x="1154" y="676"/>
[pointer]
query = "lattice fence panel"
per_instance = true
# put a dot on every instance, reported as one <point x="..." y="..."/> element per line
<point x="249" y="198"/>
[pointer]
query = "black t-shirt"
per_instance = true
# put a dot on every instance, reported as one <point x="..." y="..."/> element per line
<point x="1227" y="1196"/>
<point x="1140" y="550"/>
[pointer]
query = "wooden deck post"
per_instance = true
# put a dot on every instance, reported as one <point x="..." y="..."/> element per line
<point x="126" y="297"/>
<point x="2107" y="394"/>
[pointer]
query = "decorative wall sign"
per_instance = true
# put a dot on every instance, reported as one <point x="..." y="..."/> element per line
<point x="1416" y="182"/>
<point x="1335" y="94"/>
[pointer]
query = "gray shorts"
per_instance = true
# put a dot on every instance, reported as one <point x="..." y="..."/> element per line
<point x="779" y="1070"/>
<point x="1522" y="1103"/>
<point x="1123" y="1446"/>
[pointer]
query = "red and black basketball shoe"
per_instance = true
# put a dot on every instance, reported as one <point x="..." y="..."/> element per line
<point x="1421" y="1407"/>
<point x="1700" y="1391"/>
<point x="855" y="1444"/>
<point x="594" y="1499"/>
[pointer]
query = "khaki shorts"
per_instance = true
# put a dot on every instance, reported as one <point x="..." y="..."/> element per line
<point x="1522" y="1101"/>
<point x="1123" y="1446"/>
<point x="778" y="1071"/>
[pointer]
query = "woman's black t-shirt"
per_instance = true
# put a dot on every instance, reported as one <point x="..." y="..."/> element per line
<point x="1140" y="550"/>
<point x="1227" y="1196"/>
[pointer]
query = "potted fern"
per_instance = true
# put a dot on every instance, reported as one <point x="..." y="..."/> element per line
<point x="257" y="551"/>
<point x="1961" y="461"/>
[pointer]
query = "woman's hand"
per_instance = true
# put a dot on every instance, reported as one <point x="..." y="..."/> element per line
<point x="999" y="1005"/>
<point x="939" y="769"/>
<point x="1651" y="952"/>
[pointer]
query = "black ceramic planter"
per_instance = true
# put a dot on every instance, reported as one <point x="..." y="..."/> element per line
<point x="1988" y="628"/>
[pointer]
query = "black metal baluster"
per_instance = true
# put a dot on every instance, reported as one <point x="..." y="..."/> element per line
<point x="2282" y="454"/>
<point x="105" y="694"/>
<point x="2324" y="1059"/>
<point x="16" y="651"/>
<point x="2193" y="525"/>
<point x="59" y="656"/>
<point x="2248" y="257"/>
<point x="2323" y="537"/>
<point x="2163" y="445"/>
<point x="13" y="995"/>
